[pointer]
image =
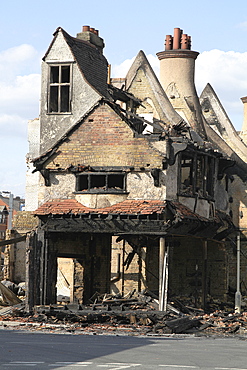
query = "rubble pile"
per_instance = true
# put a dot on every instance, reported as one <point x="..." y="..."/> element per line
<point x="137" y="315"/>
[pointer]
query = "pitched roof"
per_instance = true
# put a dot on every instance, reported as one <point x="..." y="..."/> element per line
<point x="92" y="63"/>
<point x="170" y="116"/>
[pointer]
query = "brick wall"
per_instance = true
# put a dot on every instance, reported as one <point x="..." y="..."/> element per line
<point x="104" y="139"/>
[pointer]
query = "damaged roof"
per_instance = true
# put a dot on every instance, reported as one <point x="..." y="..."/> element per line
<point x="92" y="63"/>
<point x="72" y="206"/>
<point x="171" y="218"/>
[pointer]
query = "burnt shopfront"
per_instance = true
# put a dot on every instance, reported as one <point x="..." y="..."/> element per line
<point x="152" y="232"/>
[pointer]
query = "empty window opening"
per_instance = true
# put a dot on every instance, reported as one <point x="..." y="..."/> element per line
<point x="101" y="182"/>
<point x="186" y="174"/>
<point x="60" y="89"/>
<point x="196" y="175"/>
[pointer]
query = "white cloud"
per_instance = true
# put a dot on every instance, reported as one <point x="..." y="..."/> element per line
<point x="121" y="70"/>
<point x="13" y="126"/>
<point x="242" y="25"/>
<point x="21" y="96"/>
<point x="18" y="60"/>
<point x="227" y="73"/>
<point x="19" y="102"/>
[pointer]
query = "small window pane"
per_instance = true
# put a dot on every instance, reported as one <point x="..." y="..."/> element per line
<point x="83" y="183"/>
<point x="116" y="181"/>
<point x="54" y="78"/>
<point x="65" y="78"/>
<point x="98" y="181"/>
<point x="65" y="99"/>
<point x="53" y="98"/>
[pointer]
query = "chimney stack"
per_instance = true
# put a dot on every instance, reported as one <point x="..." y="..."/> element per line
<point x="177" y="77"/>
<point x="91" y="35"/>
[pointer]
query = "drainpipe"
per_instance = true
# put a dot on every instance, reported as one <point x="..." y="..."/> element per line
<point x="11" y="197"/>
<point x="238" y="293"/>
<point x="161" y="270"/>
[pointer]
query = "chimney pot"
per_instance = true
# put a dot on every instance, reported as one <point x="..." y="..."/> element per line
<point x="96" y="32"/>
<point x="92" y="29"/>
<point x="168" y="42"/>
<point x="184" y="41"/>
<point x="85" y="28"/>
<point x="177" y="38"/>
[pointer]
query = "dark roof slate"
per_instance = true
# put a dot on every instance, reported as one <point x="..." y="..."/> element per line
<point x="92" y="63"/>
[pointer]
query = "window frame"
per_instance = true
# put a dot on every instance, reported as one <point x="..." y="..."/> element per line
<point x="105" y="189"/>
<point x="200" y="184"/>
<point x="60" y="85"/>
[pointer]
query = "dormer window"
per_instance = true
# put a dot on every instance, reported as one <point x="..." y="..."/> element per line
<point x="60" y="89"/>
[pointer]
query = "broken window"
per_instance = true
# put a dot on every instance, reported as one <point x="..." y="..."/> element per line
<point x="60" y="89"/>
<point x="101" y="182"/>
<point x="196" y="174"/>
<point x="186" y="174"/>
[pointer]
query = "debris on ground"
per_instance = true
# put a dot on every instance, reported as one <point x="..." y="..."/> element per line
<point x="135" y="314"/>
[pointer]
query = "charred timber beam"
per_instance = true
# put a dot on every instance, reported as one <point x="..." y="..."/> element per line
<point x="98" y="225"/>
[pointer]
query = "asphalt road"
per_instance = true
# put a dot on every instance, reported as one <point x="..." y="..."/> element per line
<point x="24" y="350"/>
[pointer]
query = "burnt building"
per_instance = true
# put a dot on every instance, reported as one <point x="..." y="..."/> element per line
<point x="130" y="179"/>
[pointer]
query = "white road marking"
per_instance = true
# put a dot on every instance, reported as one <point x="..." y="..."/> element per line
<point x="228" y="368"/>
<point x="82" y="364"/>
<point x="119" y="366"/>
<point x="183" y="366"/>
<point x="20" y="364"/>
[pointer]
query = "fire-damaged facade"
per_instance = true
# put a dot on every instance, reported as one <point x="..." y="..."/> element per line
<point x="128" y="178"/>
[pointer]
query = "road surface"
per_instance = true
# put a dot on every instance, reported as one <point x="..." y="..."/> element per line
<point x="24" y="350"/>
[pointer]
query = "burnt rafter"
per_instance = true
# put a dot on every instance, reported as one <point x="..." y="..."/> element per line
<point x="122" y="95"/>
<point x="99" y="224"/>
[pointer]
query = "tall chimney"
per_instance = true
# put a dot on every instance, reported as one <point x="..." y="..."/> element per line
<point x="177" y="77"/>
<point x="91" y="35"/>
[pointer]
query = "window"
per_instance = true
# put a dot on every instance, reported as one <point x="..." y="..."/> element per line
<point x="59" y="89"/>
<point x="98" y="182"/>
<point x="196" y="175"/>
<point x="2" y="218"/>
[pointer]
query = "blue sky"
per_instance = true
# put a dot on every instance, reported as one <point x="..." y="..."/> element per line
<point x="218" y="30"/>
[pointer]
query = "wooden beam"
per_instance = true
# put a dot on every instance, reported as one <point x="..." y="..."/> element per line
<point x="12" y="241"/>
